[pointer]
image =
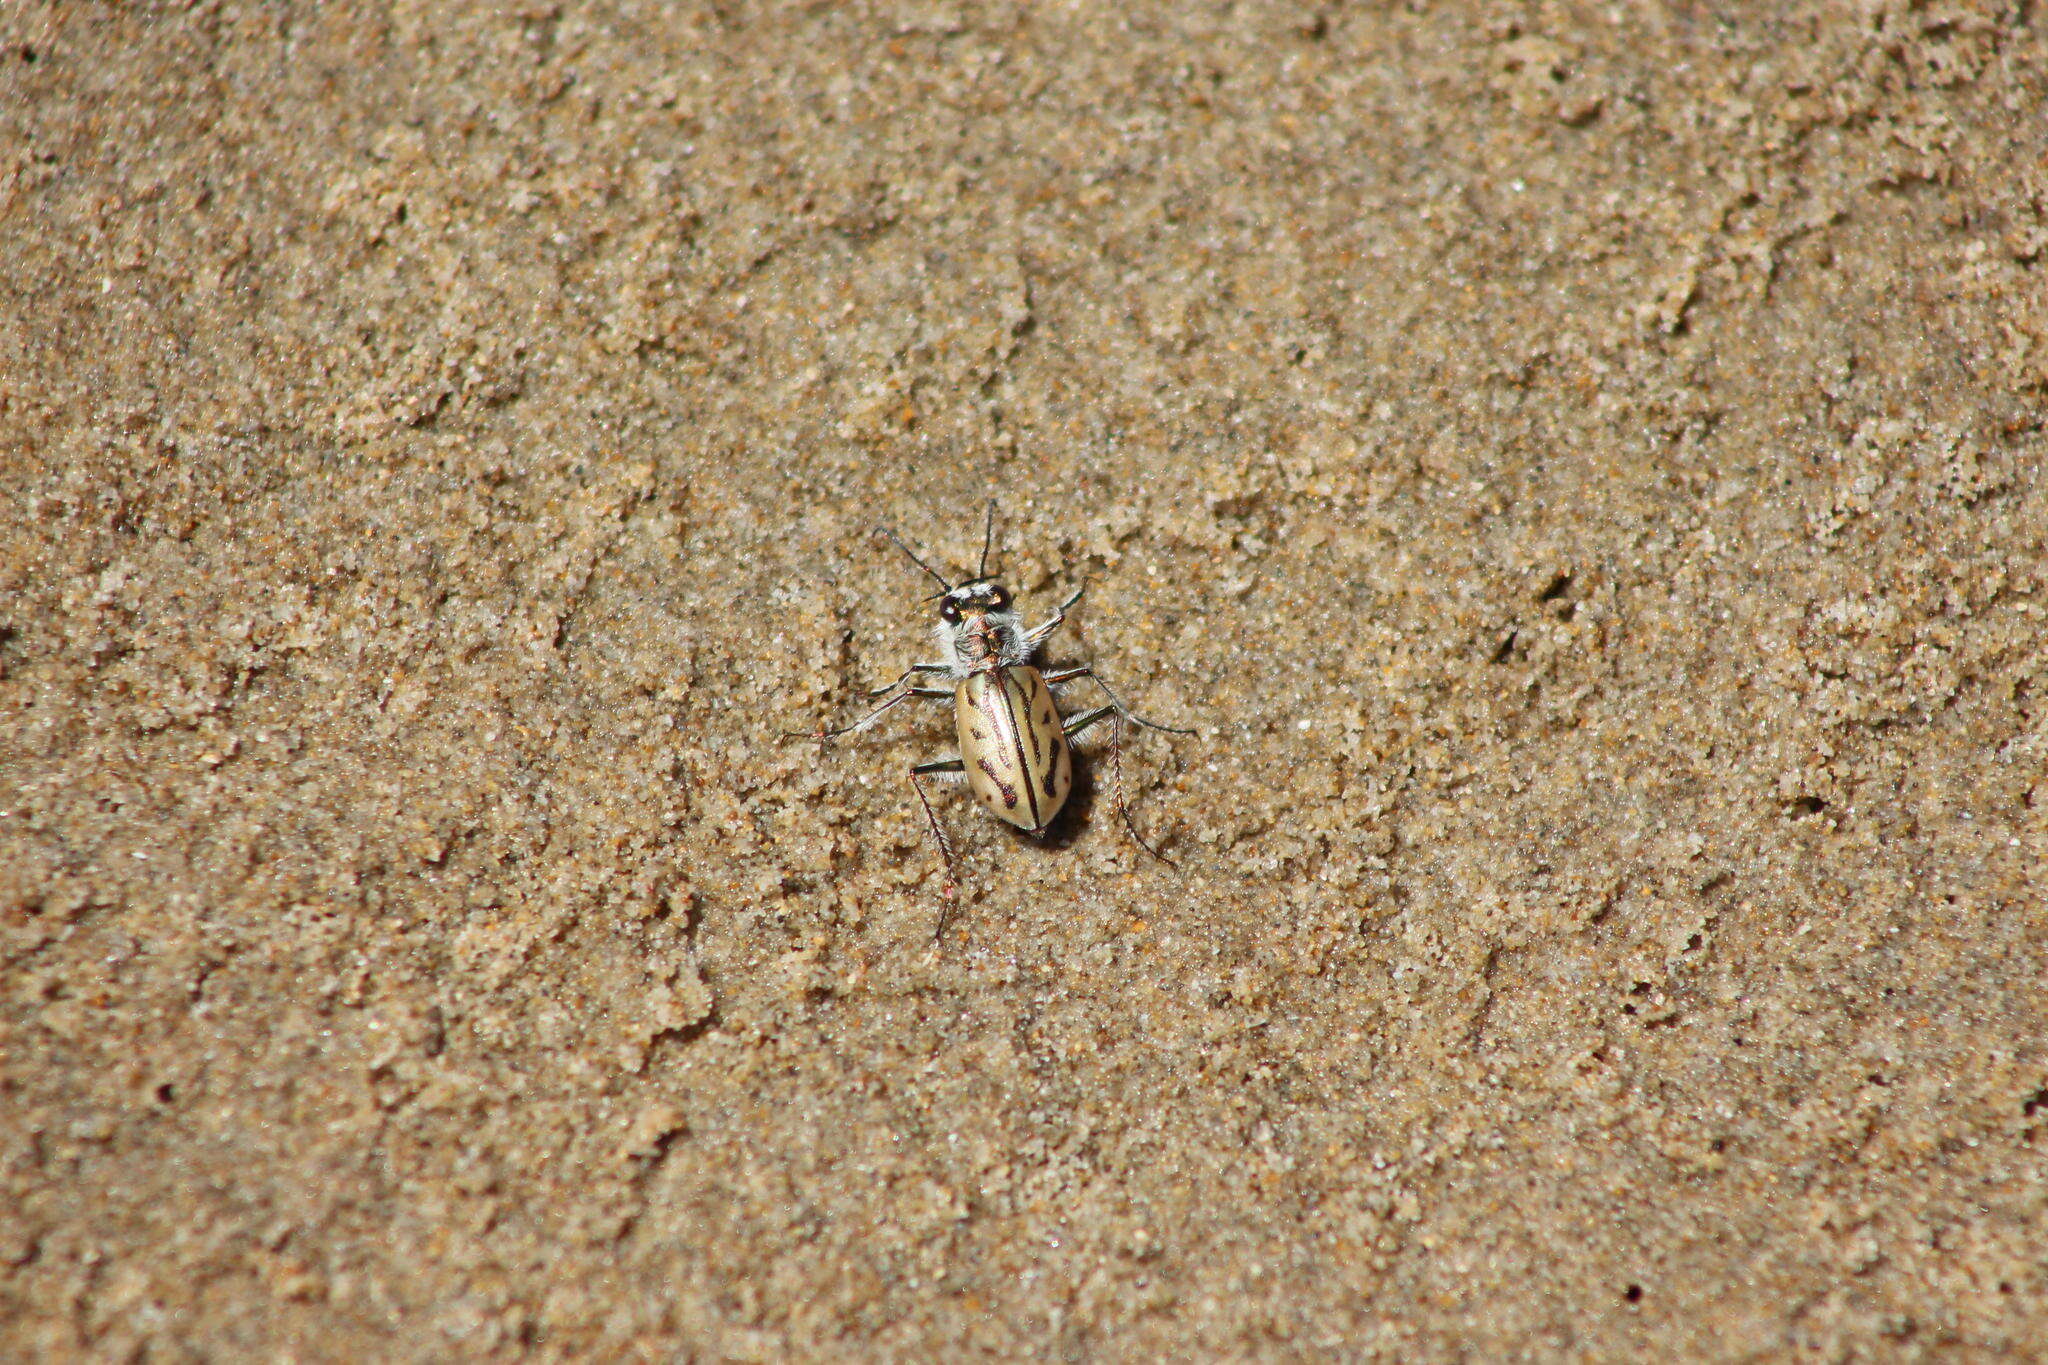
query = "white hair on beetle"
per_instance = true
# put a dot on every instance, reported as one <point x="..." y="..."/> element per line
<point x="979" y="629"/>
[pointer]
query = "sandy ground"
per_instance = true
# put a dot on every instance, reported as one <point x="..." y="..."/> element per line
<point x="1577" y="467"/>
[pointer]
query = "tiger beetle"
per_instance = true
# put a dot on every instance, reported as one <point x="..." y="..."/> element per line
<point x="1013" y="739"/>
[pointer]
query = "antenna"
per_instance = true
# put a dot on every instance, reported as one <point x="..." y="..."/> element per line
<point x="913" y="556"/>
<point x="988" y="535"/>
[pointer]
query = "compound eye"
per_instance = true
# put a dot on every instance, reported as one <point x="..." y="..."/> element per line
<point x="949" y="612"/>
<point x="998" y="598"/>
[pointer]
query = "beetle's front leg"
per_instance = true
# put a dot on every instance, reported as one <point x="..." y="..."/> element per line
<point x="1038" y="635"/>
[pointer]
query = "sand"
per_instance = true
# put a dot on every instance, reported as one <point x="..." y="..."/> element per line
<point x="1577" y="468"/>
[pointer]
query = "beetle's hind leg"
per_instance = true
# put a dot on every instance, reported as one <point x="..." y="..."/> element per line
<point x="950" y="888"/>
<point x="1116" y="759"/>
<point x="1116" y="702"/>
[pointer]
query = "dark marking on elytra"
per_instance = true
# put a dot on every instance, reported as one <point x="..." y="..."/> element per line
<point x="1017" y="707"/>
<point x="987" y="703"/>
<point x="1009" y="792"/>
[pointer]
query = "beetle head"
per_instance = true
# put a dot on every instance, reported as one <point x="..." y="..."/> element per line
<point x="979" y="598"/>
<point x="978" y="627"/>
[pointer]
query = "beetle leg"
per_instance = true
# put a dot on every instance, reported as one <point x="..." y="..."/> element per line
<point x="1038" y="635"/>
<point x="1081" y="722"/>
<point x="1084" y="671"/>
<point x="908" y="674"/>
<point x="905" y="695"/>
<point x="1076" y="724"/>
<point x="951" y="886"/>
<point x="1116" y="759"/>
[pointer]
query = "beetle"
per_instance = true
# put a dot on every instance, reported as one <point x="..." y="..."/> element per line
<point x="1013" y="740"/>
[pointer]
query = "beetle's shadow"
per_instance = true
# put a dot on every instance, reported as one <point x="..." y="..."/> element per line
<point x="1076" y="815"/>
